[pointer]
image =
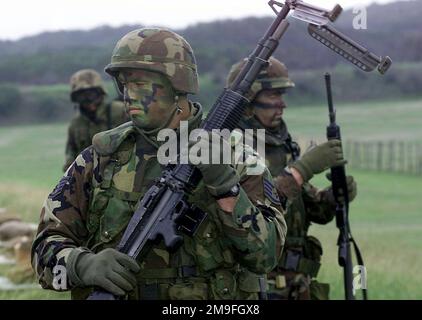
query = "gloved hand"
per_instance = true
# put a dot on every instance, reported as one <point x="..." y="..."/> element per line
<point x="108" y="269"/>
<point x="319" y="159"/>
<point x="351" y="187"/>
<point x="219" y="178"/>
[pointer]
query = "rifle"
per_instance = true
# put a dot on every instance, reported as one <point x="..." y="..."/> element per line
<point x="164" y="212"/>
<point x="339" y="186"/>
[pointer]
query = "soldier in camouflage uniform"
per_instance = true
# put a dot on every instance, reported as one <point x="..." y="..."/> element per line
<point x="84" y="217"/>
<point x="87" y="91"/>
<point x="294" y="278"/>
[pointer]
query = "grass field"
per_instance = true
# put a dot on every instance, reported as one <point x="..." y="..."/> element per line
<point x="386" y="217"/>
<point x="395" y="120"/>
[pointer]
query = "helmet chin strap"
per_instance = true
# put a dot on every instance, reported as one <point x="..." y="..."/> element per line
<point x="178" y="109"/>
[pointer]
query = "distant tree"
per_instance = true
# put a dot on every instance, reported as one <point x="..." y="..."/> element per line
<point x="10" y="99"/>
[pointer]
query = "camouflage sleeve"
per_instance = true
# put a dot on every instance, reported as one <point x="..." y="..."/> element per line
<point x="71" y="151"/>
<point x="320" y="205"/>
<point x="287" y="188"/>
<point x="62" y="221"/>
<point x="256" y="229"/>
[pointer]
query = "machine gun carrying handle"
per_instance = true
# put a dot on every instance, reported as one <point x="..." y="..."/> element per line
<point x="385" y="64"/>
<point x="335" y="13"/>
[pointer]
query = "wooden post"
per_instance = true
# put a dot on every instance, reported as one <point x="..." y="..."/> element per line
<point x="357" y="152"/>
<point x="390" y="153"/>
<point x="402" y="157"/>
<point x="379" y="156"/>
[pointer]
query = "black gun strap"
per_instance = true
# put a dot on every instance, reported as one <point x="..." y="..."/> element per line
<point x="359" y="259"/>
<point x="294" y="149"/>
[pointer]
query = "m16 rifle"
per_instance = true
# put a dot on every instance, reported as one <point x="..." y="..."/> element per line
<point x="339" y="186"/>
<point x="164" y="212"/>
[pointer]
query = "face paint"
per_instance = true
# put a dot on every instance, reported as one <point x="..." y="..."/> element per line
<point x="149" y="98"/>
<point x="88" y="101"/>
<point x="269" y="107"/>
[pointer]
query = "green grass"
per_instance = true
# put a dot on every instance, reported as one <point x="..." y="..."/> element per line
<point x="397" y="120"/>
<point x="386" y="220"/>
<point x="33" y="294"/>
<point x="386" y="217"/>
<point x="32" y="155"/>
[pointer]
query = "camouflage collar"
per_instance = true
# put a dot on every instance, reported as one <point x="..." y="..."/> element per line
<point x="196" y="117"/>
<point x="273" y="137"/>
<point x="106" y="142"/>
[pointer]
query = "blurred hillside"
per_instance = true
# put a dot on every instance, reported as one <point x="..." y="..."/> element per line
<point x="50" y="58"/>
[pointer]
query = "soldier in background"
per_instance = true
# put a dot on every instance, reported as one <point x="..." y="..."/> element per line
<point x="295" y="276"/>
<point x="88" y="93"/>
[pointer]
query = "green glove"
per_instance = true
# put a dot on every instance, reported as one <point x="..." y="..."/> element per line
<point x="319" y="159"/>
<point x="219" y="178"/>
<point x="351" y="188"/>
<point x="108" y="269"/>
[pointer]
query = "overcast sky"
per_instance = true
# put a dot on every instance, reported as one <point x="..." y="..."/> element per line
<point x="19" y="18"/>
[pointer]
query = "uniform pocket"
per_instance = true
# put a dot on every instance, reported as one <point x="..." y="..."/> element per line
<point x="188" y="291"/>
<point x="114" y="220"/>
<point x="319" y="291"/>
<point x="249" y="286"/>
<point x="313" y="249"/>
<point x="98" y="204"/>
<point x="223" y="285"/>
<point x="207" y="247"/>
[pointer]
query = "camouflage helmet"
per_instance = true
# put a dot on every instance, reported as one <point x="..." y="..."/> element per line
<point x="85" y="79"/>
<point x="157" y="50"/>
<point x="274" y="76"/>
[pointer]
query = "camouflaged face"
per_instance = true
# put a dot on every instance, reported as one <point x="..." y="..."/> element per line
<point x="157" y="50"/>
<point x="274" y="76"/>
<point x="150" y="99"/>
<point x="85" y="79"/>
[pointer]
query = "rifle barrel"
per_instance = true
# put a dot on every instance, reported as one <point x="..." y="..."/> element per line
<point x="274" y="29"/>
<point x="332" y="111"/>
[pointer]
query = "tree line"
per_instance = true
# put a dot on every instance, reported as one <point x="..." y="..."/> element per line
<point x="48" y="58"/>
<point x="32" y="68"/>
